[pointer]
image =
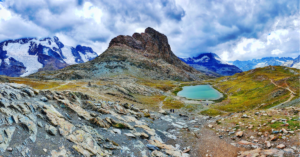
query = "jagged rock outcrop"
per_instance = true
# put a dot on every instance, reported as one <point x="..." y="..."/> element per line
<point x="51" y="123"/>
<point x="145" y="55"/>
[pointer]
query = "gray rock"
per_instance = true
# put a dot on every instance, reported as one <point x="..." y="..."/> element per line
<point x="44" y="99"/>
<point x="152" y="147"/>
<point x="51" y="129"/>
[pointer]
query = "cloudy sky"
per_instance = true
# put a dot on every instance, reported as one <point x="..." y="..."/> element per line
<point x="233" y="29"/>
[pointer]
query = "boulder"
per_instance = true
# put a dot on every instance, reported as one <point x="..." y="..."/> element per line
<point x="51" y="130"/>
<point x="239" y="134"/>
<point x="280" y="146"/>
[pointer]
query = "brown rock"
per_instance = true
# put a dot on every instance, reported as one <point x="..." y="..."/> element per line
<point x="239" y="134"/>
<point x="273" y="137"/>
<point x="281" y="146"/>
<point x="268" y="144"/>
<point x="243" y="142"/>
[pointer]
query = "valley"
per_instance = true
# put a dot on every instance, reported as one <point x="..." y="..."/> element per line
<point x="232" y="113"/>
<point x="125" y="102"/>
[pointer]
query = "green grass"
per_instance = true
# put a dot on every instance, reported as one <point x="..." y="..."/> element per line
<point x="248" y="90"/>
<point x="172" y="103"/>
<point x="212" y="112"/>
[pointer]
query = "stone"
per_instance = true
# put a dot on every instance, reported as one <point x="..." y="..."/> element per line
<point x="273" y="137"/>
<point x="284" y="131"/>
<point x="251" y="153"/>
<point x="259" y="133"/>
<point x="40" y="124"/>
<point x="268" y="144"/>
<point x="9" y="149"/>
<point x="45" y="150"/>
<point x="186" y="150"/>
<point x="152" y="147"/>
<point x="99" y="122"/>
<point x="239" y="134"/>
<point x="147" y="129"/>
<point x="245" y="116"/>
<point x="288" y="151"/>
<point x="44" y="99"/>
<point x="280" y="146"/>
<point x="243" y="142"/>
<point x="51" y="130"/>
<point x="210" y="126"/>
<point x="118" y="131"/>
<point x="164" y="112"/>
<point x="129" y="135"/>
<point x="156" y="153"/>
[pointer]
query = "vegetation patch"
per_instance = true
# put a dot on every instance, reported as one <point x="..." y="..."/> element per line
<point x="254" y="90"/>
<point x="172" y="103"/>
<point x="212" y="112"/>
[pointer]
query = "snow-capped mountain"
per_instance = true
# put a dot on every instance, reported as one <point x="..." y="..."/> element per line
<point x="210" y="62"/>
<point x="22" y="57"/>
<point x="293" y="63"/>
<point x="257" y="63"/>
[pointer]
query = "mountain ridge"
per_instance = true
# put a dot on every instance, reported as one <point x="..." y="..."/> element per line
<point x="211" y="63"/>
<point x="24" y="56"/>
<point x="263" y="62"/>
<point x="145" y="55"/>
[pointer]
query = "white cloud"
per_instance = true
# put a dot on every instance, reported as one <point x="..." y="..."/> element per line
<point x="276" y="52"/>
<point x="233" y="29"/>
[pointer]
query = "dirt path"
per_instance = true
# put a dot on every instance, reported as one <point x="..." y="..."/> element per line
<point x="292" y="93"/>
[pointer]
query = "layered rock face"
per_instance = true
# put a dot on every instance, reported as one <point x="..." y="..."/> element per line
<point x="50" y="123"/>
<point x="145" y="55"/>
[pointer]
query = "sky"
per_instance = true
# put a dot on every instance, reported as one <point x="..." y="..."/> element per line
<point x="233" y="29"/>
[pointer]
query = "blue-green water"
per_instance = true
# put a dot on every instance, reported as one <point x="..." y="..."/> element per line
<point x="203" y="92"/>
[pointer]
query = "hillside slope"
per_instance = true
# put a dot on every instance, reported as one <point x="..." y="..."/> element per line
<point x="145" y="55"/>
<point x="257" y="89"/>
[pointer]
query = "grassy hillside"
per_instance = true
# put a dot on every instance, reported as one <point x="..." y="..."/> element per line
<point x="254" y="89"/>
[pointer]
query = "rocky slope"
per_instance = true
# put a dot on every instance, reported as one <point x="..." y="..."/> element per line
<point x="22" y="57"/>
<point x="258" y="63"/>
<point x="145" y="55"/>
<point x="212" y="64"/>
<point x="273" y="132"/>
<point x="51" y="123"/>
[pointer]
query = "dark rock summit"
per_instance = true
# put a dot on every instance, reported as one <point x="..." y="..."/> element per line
<point x="145" y="55"/>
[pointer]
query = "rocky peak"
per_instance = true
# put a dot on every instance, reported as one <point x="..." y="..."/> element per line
<point x="152" y="44"/>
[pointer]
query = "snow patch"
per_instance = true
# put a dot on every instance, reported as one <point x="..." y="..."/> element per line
<point x="297" y="66"/>
<point x="260" y="65"/>
<point x="67" y="52"/>
<point x="20" y="53"/>
<point x="203" y="59"/>
<point x="87" y="56"/>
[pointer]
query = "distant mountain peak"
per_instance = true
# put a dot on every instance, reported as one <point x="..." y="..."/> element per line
<point x="211" y="62"/>
<point x="143" y="55"/>
<point x="258" y="63"/>
<point x="34" y="54"/>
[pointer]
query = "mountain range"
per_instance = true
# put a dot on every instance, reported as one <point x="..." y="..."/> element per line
<point x="145" y="55"/>
<point x="263" y="62"/>
<point x="293" y="63"/>
<point x="22" y="57"/>
<point x="212" y="64"/>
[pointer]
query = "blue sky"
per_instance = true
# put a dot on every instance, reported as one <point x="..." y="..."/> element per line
<point x="233" y="29"/>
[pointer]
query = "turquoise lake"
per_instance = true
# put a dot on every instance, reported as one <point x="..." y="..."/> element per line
<point x="203" y="92"/>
